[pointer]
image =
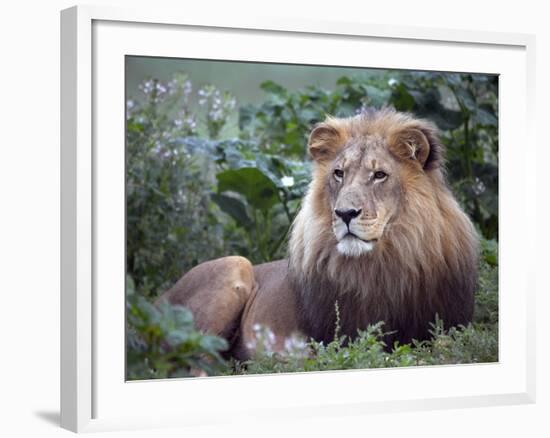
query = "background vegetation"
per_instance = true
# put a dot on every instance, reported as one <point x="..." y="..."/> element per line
<point x="194" y="193"/>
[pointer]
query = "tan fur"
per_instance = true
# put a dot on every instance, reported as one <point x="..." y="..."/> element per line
<point x="424" y="254"/>
<point x="199" y="290"/>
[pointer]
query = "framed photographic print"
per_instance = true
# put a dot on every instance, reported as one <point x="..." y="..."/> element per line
<point x="260" y="208"/>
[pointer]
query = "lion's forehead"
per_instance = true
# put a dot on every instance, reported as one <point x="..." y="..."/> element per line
<point x="365" y="152"/>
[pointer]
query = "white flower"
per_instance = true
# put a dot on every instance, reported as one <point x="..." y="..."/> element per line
<point x="479" y="187"/>
<point x="270" y="337"/>
<point x="191" y="123"/>
<point x="288" y="181"/>
<point x="161" y="88"/>
<point x="230" y="103"/>
<point x="392" y="82"/>
<point x="187" y="87"/>
<point x="146" y="86"/>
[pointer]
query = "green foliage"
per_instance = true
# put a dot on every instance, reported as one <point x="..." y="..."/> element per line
<point x="194" y="195"/>
<point x="162" y="342"/>
<point x="170" y="223"/>
<point x="486" y="303"/>
<point x="261" y="192"/>
<point x="368" y="350"/>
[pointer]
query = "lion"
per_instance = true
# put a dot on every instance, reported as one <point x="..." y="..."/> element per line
<point x="379" y="237"/>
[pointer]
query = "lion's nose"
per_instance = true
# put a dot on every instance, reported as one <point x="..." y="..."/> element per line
<point x="347" y="214"/>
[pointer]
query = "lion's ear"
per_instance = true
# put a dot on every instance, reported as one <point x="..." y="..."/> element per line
<point x="419" y="143"/>
<point x="324" y="142"/>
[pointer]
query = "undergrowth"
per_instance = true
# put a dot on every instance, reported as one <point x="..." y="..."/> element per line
<point x="162" y="342"/>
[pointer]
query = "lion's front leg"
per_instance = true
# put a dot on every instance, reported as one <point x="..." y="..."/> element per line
<point x="216" y="292"/>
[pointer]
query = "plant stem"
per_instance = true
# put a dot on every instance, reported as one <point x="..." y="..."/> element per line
<point x="267" y="235"/>
<point x="283" y="200"/>
<point x="467" y="147"/>
<point x="259" y="238"/>
<point x="287" y="229"/>
<point x="279" y="242"/>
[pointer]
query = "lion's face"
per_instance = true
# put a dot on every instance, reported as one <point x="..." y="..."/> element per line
<point x="363" y="167"/>
<point x="363" y="183"/>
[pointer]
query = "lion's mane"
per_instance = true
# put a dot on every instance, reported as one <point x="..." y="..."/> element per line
<point x="424" y="265"/>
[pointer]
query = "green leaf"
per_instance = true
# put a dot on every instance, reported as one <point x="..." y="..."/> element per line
<point x="247" y="114"/>
<point x="444" y="118"/>
<point x="134" y="127"/>
<point x="402" y="99"/>
<point x="234" y="208"/>
<point x="453" y="78"/>
<point x="376" y="96"/>
<point x="309" y="115"/>
<point x="130" y="285"/>
<point x="484" y="116"/>
<point x="258" y="189"/>
<point x="344" y="80"/>
<point x="273" y="88"/>
<point x="466" y="98"/>
<point x="183" y="317"/>
<point x="345" y="109"/>
<point x="489" y="251"/>
<point x="213" y="343"/>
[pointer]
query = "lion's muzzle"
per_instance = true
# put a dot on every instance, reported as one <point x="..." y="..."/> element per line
<point x="355" y="233"/>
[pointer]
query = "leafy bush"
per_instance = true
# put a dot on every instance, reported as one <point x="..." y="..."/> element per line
<point x="194" y="195"/>
<point x="162" y="342"/>
<point x="170" y="223"/>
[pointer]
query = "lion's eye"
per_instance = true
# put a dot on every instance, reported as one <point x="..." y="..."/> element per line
<point x="338" y="174"/>
<point x="380" y="175"/>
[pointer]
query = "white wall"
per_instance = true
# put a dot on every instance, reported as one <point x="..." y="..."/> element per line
<point x="29" y="215"/>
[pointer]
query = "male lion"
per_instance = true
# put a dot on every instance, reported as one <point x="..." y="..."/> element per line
<point x="379" y="232"/>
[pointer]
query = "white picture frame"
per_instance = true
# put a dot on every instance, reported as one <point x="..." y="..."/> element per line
<point x="94" y="397"/>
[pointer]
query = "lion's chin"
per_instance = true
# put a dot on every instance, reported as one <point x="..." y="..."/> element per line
<point x="352" y="246"/>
